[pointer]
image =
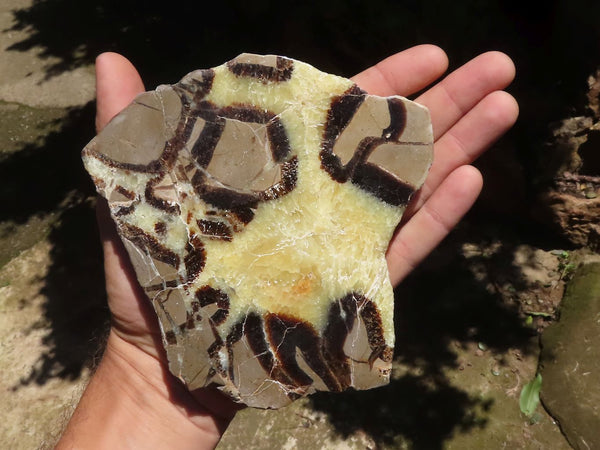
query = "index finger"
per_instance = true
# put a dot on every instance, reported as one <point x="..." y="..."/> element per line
<point x="404" y="73"/>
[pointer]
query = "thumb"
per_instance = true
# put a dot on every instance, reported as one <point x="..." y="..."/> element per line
<point x="117" y="84"/>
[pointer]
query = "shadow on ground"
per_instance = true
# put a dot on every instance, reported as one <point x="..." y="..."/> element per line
<point x="441" y="307"/>
<point x="411" y="408"/>
<point x="554" y="44"/>
<point x="46" y="179"/>
<point x="165" y="41"/>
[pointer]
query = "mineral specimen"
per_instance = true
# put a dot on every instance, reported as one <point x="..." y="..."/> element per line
<point x="256" y="201"/>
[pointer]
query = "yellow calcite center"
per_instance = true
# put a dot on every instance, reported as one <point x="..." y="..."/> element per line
<point x="314" y="245"/>
<point x="305" y="250"/>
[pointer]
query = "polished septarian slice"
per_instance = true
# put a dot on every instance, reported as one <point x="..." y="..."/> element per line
<point x="256" y="201"/>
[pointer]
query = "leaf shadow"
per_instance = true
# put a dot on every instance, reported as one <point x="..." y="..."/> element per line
<point x="440" y="306"/>
<point x="46" y="179"/>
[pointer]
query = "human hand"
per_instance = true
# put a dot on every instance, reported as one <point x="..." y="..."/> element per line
<point x="132" y="400"/>
<point x="469" y="111"/>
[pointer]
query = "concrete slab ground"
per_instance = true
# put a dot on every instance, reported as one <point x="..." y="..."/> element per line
<point x="33" y="111"/>
<point x="23" y="75"/>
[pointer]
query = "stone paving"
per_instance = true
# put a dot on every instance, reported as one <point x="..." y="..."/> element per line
<point x="38" y="390"/>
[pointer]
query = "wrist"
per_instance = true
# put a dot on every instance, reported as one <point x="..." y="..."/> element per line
<point x="133" y="401"/>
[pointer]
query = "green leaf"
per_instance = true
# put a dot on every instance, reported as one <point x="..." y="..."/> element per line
<point x="560" y="253"/>
<point x="530" y="396"/>
<point x="529" y="320"/>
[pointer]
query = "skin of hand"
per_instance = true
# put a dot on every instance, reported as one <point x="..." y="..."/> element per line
<point x="132" y="399"/>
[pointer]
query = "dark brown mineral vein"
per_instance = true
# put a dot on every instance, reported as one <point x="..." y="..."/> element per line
<point x="144" y="241"/>
<point x="281" y="72"/>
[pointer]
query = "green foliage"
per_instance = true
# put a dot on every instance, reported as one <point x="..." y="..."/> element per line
<point x="560" y="254"/>
<point x="530" y="396"/>
<point x="565" y="265"/>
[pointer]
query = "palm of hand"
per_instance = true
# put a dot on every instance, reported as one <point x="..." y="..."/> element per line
<point x="468" y="112"/>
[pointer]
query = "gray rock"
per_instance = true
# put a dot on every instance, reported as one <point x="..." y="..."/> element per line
<point x="570" y="361"/>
